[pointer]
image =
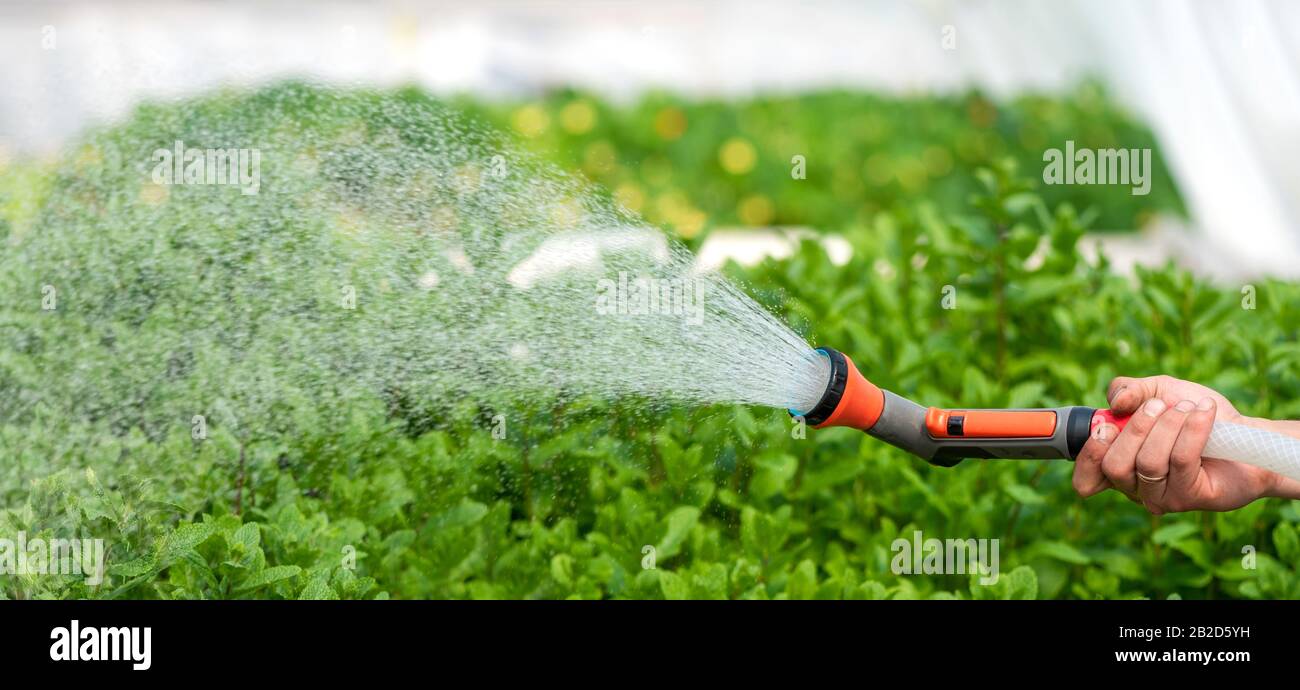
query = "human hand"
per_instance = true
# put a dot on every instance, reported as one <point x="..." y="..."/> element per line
<point x="1156" y="460"/>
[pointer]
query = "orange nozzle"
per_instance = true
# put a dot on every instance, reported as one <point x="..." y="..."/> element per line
<point x="850" y="399"/>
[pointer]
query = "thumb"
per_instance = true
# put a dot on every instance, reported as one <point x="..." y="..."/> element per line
<point x="1127" y="394"/>
<point x="1088" y="478"/>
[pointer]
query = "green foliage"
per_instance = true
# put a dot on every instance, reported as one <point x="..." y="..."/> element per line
<point x="690" y="164"/>
<point x="625" y="499"/>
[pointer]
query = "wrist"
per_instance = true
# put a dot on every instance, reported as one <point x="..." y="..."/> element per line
<point x="1271" y="485"/>
<point x="1256" y="422"/>
<point x="1281" y="487"/>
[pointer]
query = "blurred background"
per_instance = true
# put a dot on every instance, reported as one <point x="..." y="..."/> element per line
<point x="692" y="112"/>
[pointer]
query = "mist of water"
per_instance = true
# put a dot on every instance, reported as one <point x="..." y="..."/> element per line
<point x="392" y="251"/>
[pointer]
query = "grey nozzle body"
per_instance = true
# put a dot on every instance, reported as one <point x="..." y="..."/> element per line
<point x="902" y="424"/>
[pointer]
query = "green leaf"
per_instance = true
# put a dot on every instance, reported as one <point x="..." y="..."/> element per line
<point x="269" y="576"/>
<point x="248" y="535"/>
<point x="711" y="582"/>
<point x="1062" y="551"/>
<point x="181" y="541"/>
<point x="673" y="586"/>
<point x="1022" y="583"/>
<point x="1170" y="534"/>
<point x="1287" y="543"/>
<point x="562" y="568"/>
<point x="1024" y="494"/>
<point x="873" y="591"/>
<point x="465" y="513"/>
<point x="803" y="582"/>
<point x="318" y="589"/>
<point x="133" y="568"/>
<point x="680" y="523"/>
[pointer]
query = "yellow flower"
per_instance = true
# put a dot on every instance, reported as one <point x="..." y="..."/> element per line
<point x="656" y="170"/>
<point x="578" y="117"/>
<point x="88" y="157"/>
<point x="599" y="158"/>
<point x="737" y="156"/>
<point x="670" y="204"/>
<point x="675" y="209"/>
<point x="467" y="178"/>
<point x="566" y="213"/>
<point x="630" y="196"/>
<point x="1032" y="137"/>
<point x="981" y="113"/>
<point x="154" y="194"/>
<point x="443" y="219"/>
<point x="938" y="162"/>
<point x="531" y="120"/>
<point x="690" y="222"/>
<point x="670" y="124"/>
<point x="879" y="170"/>
<point x="911" y="175"/>
<point x="755" y="210"/>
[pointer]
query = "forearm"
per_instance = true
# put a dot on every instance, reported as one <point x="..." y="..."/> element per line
<point x="1282" y="487"/>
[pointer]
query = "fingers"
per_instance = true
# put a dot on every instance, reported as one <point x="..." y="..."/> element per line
<point x="1120" y="463"/>
<point x="1152" y="462"/>
<point x="1088" y="479"/>
<point x="1156" y="460"/>
<point x="1117" y="385"/>
<point x="1126" y="393"/>
<point x="1185" y="457"/>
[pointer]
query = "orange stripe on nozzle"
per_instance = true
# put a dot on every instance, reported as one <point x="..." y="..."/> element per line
<point x="990" y="423"/>
<point x="850" y="399"/>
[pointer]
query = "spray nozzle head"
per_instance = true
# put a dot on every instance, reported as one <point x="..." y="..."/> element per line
<point x="849" y="400"/>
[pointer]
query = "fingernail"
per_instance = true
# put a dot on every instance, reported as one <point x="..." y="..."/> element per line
<point x="1185" y="406"/>
<point x="1205" y="404"/>
<point x="1154" y="407"/>
<point x="1104" y="432"/>
<point x="1115" y="394"/>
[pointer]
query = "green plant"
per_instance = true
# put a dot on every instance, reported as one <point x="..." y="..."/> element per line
<point x="625" y="498"/>
<point x="687" y="164"/>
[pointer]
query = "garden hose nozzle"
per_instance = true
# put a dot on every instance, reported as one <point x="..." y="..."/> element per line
<point x="946" y="437"/>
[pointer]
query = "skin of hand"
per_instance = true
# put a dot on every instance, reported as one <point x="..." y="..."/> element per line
<point x="1156" y="460"/>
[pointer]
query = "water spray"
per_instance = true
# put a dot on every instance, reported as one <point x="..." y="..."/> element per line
<point x="945" y="437"/>
<point x="479" y="287"/>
